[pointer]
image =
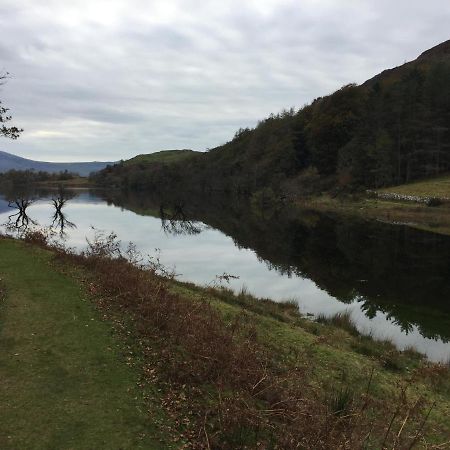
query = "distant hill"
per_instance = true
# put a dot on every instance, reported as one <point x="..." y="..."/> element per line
<point x="134" y="170"/>
<point x="392" y="129"/>
<point x="10" y="162"/>
<point x="164" y="156"/>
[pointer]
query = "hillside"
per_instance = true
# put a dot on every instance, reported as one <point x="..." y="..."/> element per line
<point x="13" y="162"/>
<point x="392" y="129"/>
<point x="164" y="156"/>
<point x="134" y="171"/>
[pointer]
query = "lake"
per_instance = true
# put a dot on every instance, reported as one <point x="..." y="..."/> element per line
<point x="394" y="280"/>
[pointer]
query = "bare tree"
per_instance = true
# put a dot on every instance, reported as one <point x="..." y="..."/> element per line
<point x="5" y="131"/>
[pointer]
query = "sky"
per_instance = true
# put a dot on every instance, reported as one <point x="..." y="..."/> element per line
<point x="108" y="79"/>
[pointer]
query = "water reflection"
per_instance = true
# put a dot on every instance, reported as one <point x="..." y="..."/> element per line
<point x="395" y="280"/>
<point x="399" y="271"/>
<point x="20" y="220"/>
<point x="175" y="220"/>
<point x="60" y="221"/>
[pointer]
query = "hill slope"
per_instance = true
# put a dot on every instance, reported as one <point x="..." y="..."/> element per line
<point x="13" y="162"/>
<point x="164" y="156"/>
<point x="393" y="129"/>
<point x="133" y="171"/>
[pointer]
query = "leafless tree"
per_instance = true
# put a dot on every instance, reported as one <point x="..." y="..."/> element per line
<point x="9" y="132"/>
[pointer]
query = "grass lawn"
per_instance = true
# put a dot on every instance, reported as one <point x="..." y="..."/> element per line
<point x="438" y="187"/>
<point x="64" y="382"/>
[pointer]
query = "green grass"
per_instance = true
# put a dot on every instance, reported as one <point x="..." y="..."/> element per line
<point x="64" y="383"/>
<point x="165" y="156"/>
<point x="335" y="354"/>
<point x="64" y="380"/>
<point x="437" y="187"/>
<point x="416" y="215"/>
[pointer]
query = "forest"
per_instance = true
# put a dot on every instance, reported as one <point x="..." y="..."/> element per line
<point x="393" y="129"/>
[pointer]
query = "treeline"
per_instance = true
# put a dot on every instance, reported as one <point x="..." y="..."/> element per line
<point x="392" y="129"/>
<point x="28" y="177"/>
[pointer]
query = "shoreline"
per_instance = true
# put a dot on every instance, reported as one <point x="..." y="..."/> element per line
<point x="321" y="350"/>
<point x="435" y="219"/>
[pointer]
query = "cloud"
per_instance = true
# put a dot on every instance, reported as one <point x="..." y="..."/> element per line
<point x="109" y="79"/>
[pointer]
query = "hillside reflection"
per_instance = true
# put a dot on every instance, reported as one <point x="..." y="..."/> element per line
<point x="400" y="271"/>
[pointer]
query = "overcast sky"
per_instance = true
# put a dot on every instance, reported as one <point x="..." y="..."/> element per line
<point x="105" y="80"/>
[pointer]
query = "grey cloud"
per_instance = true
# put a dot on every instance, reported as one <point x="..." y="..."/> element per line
<point x="107" y="80"/>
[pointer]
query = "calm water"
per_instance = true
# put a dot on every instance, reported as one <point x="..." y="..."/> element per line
<point x="394" y="280"/>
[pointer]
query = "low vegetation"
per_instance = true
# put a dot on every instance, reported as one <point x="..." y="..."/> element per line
<point x="235" y="373"/>
<point x="436" y="187"/>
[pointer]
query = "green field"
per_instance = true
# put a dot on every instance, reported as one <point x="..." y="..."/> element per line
<point x="64" y="381"/>
<point x="438" y="187"/>
<point x="165" y="156"/>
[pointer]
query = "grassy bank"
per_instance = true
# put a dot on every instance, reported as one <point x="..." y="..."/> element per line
<point x="222" y="370"/>
<point x="436" y="187"/>
<point x="416" y="215"/>
<point x="396" y="208"/>
<point x="64" y="380"/>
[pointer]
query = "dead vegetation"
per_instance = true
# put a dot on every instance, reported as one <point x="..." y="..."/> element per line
<point x="222" y="386"/>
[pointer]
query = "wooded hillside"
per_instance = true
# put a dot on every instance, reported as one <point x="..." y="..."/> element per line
<point x="392" y="129"/>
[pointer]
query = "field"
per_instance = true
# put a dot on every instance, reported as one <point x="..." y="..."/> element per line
<point x="438" y="187"/>
<point x="64" y="380"/>
<point x="404" y="204"/>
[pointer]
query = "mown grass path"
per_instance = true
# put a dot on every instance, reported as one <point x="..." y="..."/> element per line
<point x="63" y="380"/>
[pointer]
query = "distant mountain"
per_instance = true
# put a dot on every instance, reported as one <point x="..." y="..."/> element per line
<point x="10" y="162"/>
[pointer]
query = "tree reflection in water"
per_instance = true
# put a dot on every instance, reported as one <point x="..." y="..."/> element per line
<point x="60" y="220"/>
<point x="174" y="221"/>
<point x="399" y="271"/>
<point x="19" y="221"/>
